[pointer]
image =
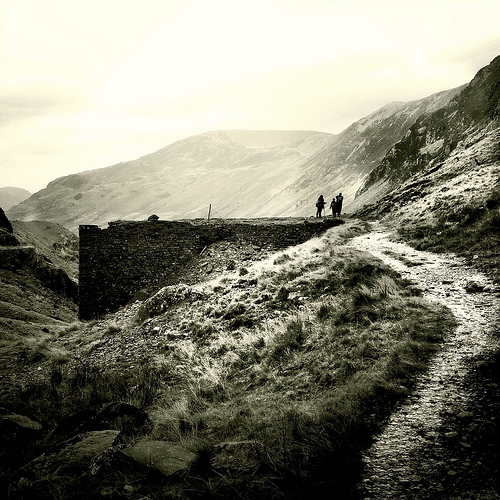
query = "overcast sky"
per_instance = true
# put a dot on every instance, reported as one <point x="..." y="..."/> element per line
<point x="87" y="84"/>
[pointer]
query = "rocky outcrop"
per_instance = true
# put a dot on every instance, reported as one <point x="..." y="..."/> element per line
<point x="7" y="237"/>
<point x="16" y="258"/>
<point x="5" y="223"/>
<point x="432" y="138"/>
<point x="162" y="456"/>
<point x="69" y="471"/>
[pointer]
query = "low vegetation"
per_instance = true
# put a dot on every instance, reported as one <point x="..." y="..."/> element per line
<point x="470" y="229"/>
<point x="296" y="363"/>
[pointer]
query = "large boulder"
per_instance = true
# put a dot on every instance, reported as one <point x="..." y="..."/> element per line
<point x="69" y="471"/>
<point x="15" y="429"/>
<point x="118" y="416"/>
<point x="162" y="456"/>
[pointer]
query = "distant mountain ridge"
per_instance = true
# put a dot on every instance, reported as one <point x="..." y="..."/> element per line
<point x="179" y="181"/>
<point x="274" y="173"/>
<point x="10" y="196"/>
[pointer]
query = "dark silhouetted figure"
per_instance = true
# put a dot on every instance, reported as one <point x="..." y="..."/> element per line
<point x="333" y="206"/>
<point x="320" y="205"/>
<point x="338" y="202"/>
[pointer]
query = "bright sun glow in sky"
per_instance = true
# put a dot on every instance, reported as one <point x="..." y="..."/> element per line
<point x="88" y="84"/>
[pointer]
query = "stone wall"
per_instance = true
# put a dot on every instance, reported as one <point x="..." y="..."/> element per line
<point x="118" y="261"/>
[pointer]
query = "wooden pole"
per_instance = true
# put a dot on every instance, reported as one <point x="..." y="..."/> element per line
<point x="209" y="210"/>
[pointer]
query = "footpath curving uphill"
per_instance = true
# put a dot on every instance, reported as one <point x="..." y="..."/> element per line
<point x="443" y="442"/>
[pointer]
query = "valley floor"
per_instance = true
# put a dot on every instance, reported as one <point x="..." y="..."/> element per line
<point x="444" y="440"/>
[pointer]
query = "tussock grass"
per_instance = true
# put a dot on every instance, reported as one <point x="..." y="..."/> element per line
<point x="69" y="389"/>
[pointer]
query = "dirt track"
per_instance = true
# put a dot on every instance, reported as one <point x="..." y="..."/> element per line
<point x="443" y="442"/>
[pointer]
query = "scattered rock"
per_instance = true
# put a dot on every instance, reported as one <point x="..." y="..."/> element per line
<point x="17" y="426"/>
<point x="166" y="458"/>
<point x="235" y="455"/>
<point x="473" y="287"/>
<point x="68" y="470"/>
<point x="415" y="289"/>
<point x="165" y="298"/>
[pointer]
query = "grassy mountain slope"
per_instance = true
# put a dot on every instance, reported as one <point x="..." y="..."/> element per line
<point x="37" y="298"/>
<point x="180" y="181"/>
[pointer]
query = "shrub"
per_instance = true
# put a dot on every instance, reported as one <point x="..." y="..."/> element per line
<point x="282" y="295"/>
<point x="324" y="312"/>
<point x="235" y="310"/>
<point x="201" y="333"/>
<point x="113" y="328"/>
<point x="241" y="321"/>
<point x="281" y="259"/>
<point x="288" y="340"/>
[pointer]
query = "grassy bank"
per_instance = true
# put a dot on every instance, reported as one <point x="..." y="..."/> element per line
<point x="292" y="363"/>
<point x="469" y="228"/>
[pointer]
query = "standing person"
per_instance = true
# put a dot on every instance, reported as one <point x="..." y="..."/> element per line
<point x="333" y="206"/>
<point x="320" y="205"/>
<point x="338" y="201"/>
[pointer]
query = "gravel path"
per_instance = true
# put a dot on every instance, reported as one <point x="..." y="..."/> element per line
<point x="443" y="441"/>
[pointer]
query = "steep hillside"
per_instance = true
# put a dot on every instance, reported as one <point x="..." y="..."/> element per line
<point x="350" y="156"/>
<point x="10" y="196"/>
<point x="57" y="245"/>
<point x="440" y="185"/>
<point x="36" y="293"/>
<point x="432" y="139"/>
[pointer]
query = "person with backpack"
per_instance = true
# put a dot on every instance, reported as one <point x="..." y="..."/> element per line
<point x="320" y="205"/>
<point x="338" y="201"/>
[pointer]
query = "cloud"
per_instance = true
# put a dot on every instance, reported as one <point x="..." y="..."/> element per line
<point x="328" y="96"/>
<point x="35" y="99"/>
<point x="470" y="56"/>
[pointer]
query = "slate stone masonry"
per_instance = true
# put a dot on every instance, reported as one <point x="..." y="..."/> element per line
<point x="127" y="256"/>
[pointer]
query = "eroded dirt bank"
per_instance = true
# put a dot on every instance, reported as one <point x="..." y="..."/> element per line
<point x="442" y="442"/>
